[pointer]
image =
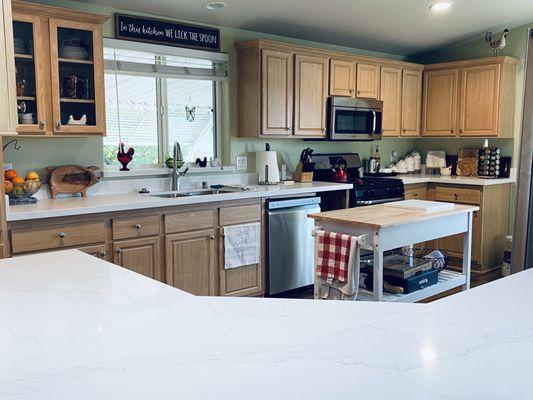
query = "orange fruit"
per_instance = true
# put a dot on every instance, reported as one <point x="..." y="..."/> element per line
<point x="8" y="185"/>
<point x="10" y="174"/>
<point x="32" y="176"/>
<point x="18" y="179"/>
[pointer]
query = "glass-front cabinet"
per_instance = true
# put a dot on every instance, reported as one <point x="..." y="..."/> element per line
<point x="31" y="71"/>
<point x="77" y="77"/>
<point x="59" y="71"/>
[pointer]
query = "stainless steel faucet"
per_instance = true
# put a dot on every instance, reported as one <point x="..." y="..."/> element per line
<point x="177" y="175"/>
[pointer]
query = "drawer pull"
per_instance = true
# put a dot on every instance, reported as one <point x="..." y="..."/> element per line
<point x="138" y="226"/>
<point x="118" y="251"/>
<point x="101" y="253"/>
<point x="62" y="235"/>
<point x="415" y="194"/>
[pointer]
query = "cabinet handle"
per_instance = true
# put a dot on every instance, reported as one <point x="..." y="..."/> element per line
<point x="475" y="214"/>
<point x="138" y="226"/>
<point x="61" y="235"/>
<point x="101" y="253"/>
<point x="42" y="125"/>
<point x="358" y="92"/>
<point x="351" y="91"/>
<point x="289" y="129"/>
<point x="460" y="131"/>
<point x="58" y="125"/>
<point x="451" y="131"/>
<point x="118" y="251"/>
<point x="212" y="237"/>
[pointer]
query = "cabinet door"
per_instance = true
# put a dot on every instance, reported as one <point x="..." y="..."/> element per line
<point x="76" y="51"/>
<point x="391" y="95"/>
<point x="367" y="81"/>
<point x="98" y="251"/>
<point x="454" y="244"/>
<point x="32" y="73"/>
<point x="440" y="103"/>
<point x="411" y="102"/>
<point x="341" y="78"/>
<point x="311" y="91"/>
<point x="480" y="98"/>
<point x="139" y="255"/>
<point x="277" y="92"/>
<point x="8" y="105"/>
<point x="190" y="262"/>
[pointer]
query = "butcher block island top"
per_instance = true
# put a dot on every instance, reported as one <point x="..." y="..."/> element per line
<point x="384" y="216"/>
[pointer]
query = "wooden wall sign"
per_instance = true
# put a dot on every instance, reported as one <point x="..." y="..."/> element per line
<point x="142" y="29"/>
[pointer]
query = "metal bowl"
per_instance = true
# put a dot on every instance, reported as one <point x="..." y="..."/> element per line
<point x="26" y="189"/>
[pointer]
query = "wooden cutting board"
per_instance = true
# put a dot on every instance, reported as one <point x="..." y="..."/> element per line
<point x="467" y="162"/>
<point x="71" y="179"/>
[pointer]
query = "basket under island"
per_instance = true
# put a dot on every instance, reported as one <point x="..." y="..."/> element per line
<point x="388" y="228"/>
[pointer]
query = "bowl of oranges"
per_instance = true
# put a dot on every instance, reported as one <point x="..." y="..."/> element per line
<point x="19" y="187"/>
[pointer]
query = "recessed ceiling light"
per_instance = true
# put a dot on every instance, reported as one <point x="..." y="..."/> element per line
<point x="439" y="6"/>
<point x="215" y="5"/>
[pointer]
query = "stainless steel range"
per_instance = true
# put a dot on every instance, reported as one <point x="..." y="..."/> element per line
<point x="366" y="190"/>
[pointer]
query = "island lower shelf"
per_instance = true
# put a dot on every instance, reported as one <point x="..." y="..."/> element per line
<point x="447" y="280"/>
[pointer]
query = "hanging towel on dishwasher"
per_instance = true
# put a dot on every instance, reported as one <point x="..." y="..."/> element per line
<point x="337" y="258"/>
<point x="241" y="245"/>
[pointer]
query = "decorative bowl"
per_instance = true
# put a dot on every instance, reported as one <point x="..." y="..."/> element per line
<point x="26" y="189"/>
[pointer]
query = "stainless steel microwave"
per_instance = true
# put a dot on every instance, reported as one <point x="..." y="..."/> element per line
<point x="354" y="119"/>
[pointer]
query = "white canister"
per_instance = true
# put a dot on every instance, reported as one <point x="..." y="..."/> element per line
<point x="410" y="162"/>
<point x="418" y="161"/>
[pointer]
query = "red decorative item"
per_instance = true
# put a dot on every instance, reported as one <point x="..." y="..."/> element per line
<point x="124" y="157"/>
<point x="339" y="172"/>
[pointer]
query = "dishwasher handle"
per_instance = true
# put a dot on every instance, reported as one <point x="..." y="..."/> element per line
<point x="288" y="203"/>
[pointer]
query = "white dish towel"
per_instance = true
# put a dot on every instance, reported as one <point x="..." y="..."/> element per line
<point x="241" y="245"/>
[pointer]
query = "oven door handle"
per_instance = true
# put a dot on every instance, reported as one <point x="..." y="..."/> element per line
<point x="380" y="201"/>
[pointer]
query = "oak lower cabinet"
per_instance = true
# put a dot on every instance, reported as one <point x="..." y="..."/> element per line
<point x="139" y="255"/>
<point x="417" y="191"/>
<point x="190" y="262"/>
<point x="99" y="251"/>
<point x="490" y="224"/>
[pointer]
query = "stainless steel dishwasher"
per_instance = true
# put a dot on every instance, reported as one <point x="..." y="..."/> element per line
<point x="290" y="245"/>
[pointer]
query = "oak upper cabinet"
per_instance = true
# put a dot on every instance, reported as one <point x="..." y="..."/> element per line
<point x="411" y="102"/>
<point x="391" y="95"/>
<point x="440" y="102"/>
<point x="190" y="262"/>
<point x="310" y="95"/>
<point x="367" y="81"/>
<point x="341" y="78"/>
<point x="139" y="255"/>
<point x="277" y="72"/>
<point x="470" y="98"/>
<point x="60" y="73"/>
<point x="8" y="105"/>
<point x="480" y="100"/>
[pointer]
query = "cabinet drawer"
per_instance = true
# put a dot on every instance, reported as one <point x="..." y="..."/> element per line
<point x="56" y="237"/>
<point x="135" y="227"/>
<point x="418" y="193"/>
<point x="240" y="214"/>
<point x="457" y="195"/>
<point x="189" y="221"/>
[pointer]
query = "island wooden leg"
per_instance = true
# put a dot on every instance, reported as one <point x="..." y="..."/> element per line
<point x="467" y="252"/>
<point x="378" y="269"/>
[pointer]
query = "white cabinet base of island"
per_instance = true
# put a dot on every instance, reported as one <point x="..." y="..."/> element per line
<point x="389" y="228"/>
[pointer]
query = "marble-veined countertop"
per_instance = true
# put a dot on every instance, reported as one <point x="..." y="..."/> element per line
<point x="76" y="327"/>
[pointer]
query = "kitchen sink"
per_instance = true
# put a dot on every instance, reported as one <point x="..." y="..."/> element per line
<point x="175" y="195"/>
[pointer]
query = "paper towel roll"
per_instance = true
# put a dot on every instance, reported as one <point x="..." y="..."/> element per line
<point x="268" y="167"/>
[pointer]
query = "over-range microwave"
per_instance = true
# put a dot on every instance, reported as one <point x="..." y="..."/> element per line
<point x="354" y="119"/>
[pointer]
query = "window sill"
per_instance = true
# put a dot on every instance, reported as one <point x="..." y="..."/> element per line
<point x="113" y="173"/>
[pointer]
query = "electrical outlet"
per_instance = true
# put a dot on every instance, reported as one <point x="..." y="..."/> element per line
<point x="241" y="163"/>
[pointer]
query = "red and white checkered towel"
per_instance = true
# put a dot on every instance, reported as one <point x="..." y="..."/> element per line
<point x="333" y="255"/>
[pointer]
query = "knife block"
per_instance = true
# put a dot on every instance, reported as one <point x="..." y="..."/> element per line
<point x="301" y="174"/>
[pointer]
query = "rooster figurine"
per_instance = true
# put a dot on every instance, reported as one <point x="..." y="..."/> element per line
<point x="124" y="157"/>
<point x="496" y="45"/>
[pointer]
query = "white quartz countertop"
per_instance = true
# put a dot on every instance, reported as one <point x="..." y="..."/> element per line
<point x="409" y="179"/>
<point x="50" y="208"/>
<point x="76" y="327"/>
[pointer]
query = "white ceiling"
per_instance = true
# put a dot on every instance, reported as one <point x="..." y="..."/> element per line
<point x="401" y="27"/>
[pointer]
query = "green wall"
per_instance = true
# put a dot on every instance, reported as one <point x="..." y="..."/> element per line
<point x="38" y="153"/>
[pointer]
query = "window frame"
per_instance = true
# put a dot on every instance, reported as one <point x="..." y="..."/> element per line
<point x="162" y="93"/>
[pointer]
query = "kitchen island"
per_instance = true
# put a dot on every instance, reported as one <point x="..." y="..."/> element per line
<point x="384" y="227"/>
<point x="73" y="326"/>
